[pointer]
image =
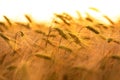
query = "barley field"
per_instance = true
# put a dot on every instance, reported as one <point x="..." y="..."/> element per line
<point x="68" y="48"/>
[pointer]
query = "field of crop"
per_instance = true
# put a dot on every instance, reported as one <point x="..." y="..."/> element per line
<point x="68" y="48"/>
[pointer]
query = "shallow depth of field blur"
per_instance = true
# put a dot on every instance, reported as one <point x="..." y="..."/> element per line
<point x="66" y="48"/>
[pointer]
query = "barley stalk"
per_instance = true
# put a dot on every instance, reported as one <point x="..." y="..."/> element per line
<point x="40" y="32"/>
<point x="106" y="17"/>
<point x="8" y="21"/>
<point x="43" y="56"/>
<point x="75" y="38"/>
<point x="49" y="42"/>
<point x="61" y="33"/>
<point x="23" y="25"/>
<point x="28" y="18"/>
<point x="4" y="37"/>
<point x="117" y="57"/>
<point x="64" y="19"/>
<point x="89" y="19"/>
<point x="94" y="9"/>
<point x="92" y="29"/>
<point x="2" y="59"/>
<point x="65" y="48"/>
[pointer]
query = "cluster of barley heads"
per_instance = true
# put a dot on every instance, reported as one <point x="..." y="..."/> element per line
<point x="68" y="48"/>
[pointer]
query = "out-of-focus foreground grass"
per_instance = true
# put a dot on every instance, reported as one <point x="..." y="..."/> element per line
<point x="66" y="49"/>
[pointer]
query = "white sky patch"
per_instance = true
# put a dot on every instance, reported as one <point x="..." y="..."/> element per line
<point x="43" y="10"/>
